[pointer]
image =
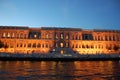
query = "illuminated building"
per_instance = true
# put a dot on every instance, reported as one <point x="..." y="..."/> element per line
<point x="46" y="40"/>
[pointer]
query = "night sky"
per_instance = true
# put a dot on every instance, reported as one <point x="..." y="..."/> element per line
<point x="86" y="14"/>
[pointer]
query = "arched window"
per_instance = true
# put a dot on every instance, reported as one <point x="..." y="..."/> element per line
<point x="83" y="46"/>
<point x="17" y="45"/>
<point x="73" y="46"/>
<point x="56" y="45"/>
<point x="38" y="46"/>
<point x="66" y="44"/>
<point x="67" y="36"/>
<point x="109" y="38"/>
<point x="106" y="39"/>
<point x="13" y="35"/>
<point x="76" y="37"/>
<point x="61" y="36"/>
<point x="42" y="45"/>
<point x="29" y="45"/>
<point x="79" y="46"/>
<point x="76" y="45"/>
<point x="61" y="45"/>
<point x="56" y="36"/>
<point x="21" y="45"/>
<point x="35" y="36"/>
<point x="87" y="46"/>
<point x="47" y="36"/>
<point x="98" y="38"/>
<point x="91" y="46"/>
<point x="46" y="45"/>
<point x="8" y="35"/>
<point x="113" y="38"/>
<point x="72" y="37"/>
<point x="24" y="45"/>
<point x="79" y="37"/>
<point x="34" y="45"/>
<point x="3" y="35"/>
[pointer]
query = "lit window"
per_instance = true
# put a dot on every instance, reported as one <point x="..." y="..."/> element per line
<point x="8" y="35"/>
<point x="35" y="36"/>
<point x="56" y="36"/>
<point x="62" y="51"/>
<point x="61" y="35"/>
<point x="66" y="44"/>
<point x="67" y="36"/>
<point x="46" y="36"/>
<point x="13" y="35"/>
<point x="61" y="45"/>
<point x="3" y="35"/>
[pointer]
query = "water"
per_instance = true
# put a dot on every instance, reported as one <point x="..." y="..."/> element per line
<point x="51" y="70"/>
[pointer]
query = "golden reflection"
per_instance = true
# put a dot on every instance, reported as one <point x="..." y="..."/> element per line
<point x="77" y="70"/>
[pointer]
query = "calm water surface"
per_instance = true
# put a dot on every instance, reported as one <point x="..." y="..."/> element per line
<point x="51" y="70"/>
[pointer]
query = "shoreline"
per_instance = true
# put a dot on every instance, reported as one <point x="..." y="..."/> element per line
<point x="56" y="59"/>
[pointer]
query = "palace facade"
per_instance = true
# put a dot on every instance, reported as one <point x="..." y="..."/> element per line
<point x="55" y="40"/>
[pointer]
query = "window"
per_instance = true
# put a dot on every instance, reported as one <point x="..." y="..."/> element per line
<point x="83" y="46"/>
<point x="87" y="36"/>
<point x="79" y="37"/>
<point x="87" y="46"/>
<point x="8" y="35"/>
<point x="13" y="35"/>
<point x="98" y="38"/>
<point x="67" y="36"/>
<point x="34" y="45"/>
<point x="21" y="45"/>
<point x="76" y="45"/>
<point x="24" y="45"/>
<point x="46" y="45"/>
<point x="56" y="45"/>
<point x="73" y="46"/>
<point x="79" y="46"/>
<point x="29" y="45"/>
<point x="61" y="45"/>
<point x="106" y="39"/>
<point x="35" y="36"/>
<point x="66" y="44"/>
<point x="3" y="35"/>
<point x="38" y="45"/>
<point x="56" y="36"/>
<point x="47" y="36"/>
<point x="109" y="38"/>
<point x="17" y="45"/>
<point x="62" y="51"/>
<point x="113" y="38"/>
<point x="42" y="45"/>
<point x="61" y="36"/>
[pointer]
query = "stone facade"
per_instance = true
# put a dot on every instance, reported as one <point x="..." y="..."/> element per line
<point x="46" y="40"/>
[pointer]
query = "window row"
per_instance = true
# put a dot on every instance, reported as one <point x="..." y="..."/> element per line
<point x="107" y="46"/>
<point x="13" y="35"/>
<point x="61" y="36"/>
<point x="97" y="38"/>
<point x="34" y="45"/>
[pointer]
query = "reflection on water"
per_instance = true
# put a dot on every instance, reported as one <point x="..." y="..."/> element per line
<point x="51" y="70"/>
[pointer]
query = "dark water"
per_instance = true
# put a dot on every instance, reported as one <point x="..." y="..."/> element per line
<point x="51" y="70"/>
